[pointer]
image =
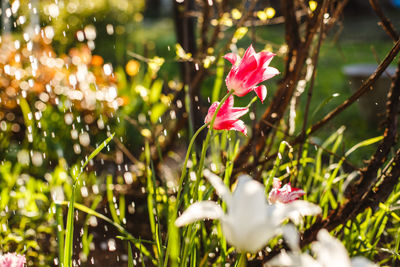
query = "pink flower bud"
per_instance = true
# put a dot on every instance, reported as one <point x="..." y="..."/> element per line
<point x="285" y="194"/>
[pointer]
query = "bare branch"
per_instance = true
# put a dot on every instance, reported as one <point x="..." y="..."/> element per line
<point x="366" y="86"/>
<point x="385" y="22"/>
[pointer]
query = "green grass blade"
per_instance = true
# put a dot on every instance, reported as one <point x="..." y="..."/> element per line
<point x="364" y="143"/>
<point x="174" y="245"/>
<point x="397" y="246"/>
<point x="69" y="231"/>
<point x="27" y="114"/>
<point x="111" y="204"/>
<point x="323" y="103"/>
<point x="60" y="232"/>
<point x="130" y="256"/>
<point x="277" y="163"/>
<point x="150" y="191"/>
<point x="218" y="80"/>
<point x="116" y="225"/>
<point x="122" y="208"/>
<point x="97" y="150"/>
<point x="86" y="237"/>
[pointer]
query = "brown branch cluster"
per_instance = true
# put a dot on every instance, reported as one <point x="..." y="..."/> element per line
<point x="300" y="47"/>
<point x="370" y="189"/>
<point x="193" y="72"/>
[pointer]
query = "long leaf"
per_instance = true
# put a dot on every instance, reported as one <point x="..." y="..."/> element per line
<point x="60" y="232"/>
<point x="97" y="150"/>
<point x="364" y="143"/>
<point x="130" y="256"/>
<point x="116" y="225"/>
<point x="218" y="80"/>
<point x="69" y="230"/>
<point x="111" y="204"/>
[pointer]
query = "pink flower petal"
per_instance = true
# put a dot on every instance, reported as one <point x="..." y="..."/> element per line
<point x="211" y="112"/>
<point x="238" y="112"/>
<point x="224" y="124"/>
<point x="246" y="68"/>
<point x="269" y="73"/>
<point x="241" y="91"/>
<point x="276" y="183"/>
<point x="232" y="58"/>
<point x="296" y="194"/>
<point x="261" y="92"/>
<point x="265" y="58"/>
<point x="249" y="52"/>
<point x="285" y="194"/>
<point x="240" y="126"/>
<point x="227" y="117"/>
<point x="253" y="79"/>
<point x="247" y="73"/>
<point x="228" y="103"/>
<point x="224" y="112"/>
<point x="12" y="260"/>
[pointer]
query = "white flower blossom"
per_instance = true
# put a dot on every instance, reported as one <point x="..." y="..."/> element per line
<point x="250" y="222"/>
<point x="328" y="250"/>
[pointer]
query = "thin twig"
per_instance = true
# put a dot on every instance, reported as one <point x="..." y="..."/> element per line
<point x="204" y="25"/>
<point x="123" y="148"/>
<point x="365" y="87"/>
<point x="311" y="87"/>
<point x="385" y="22"/>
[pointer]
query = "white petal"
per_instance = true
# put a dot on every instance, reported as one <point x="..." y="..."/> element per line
<point x="246" y="226"/>
<point x="249" y="204"/>
<point x="291" y="236"/>
<point x="292" y="260"/>
<point x="221" y="189"/>
<point x="199" y="211"/>
<point x="330" y="251"/>
<point x="362" y="262"/>
<point x="295" y="210"/>
<point x="248" y="238"/>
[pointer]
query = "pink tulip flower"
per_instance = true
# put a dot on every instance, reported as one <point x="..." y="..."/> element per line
<point x="12" y="260"/>
<point x="248" y="72"/>
<point x="227" y="117"/>
<point x="285" y="194"/>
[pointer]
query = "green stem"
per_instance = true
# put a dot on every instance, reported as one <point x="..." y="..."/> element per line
<point x="173" y="239"/>
<point x="173" y="235"/>
<point x="252" y="101"/>
<point x="184" y="168"/>
<point x="242" y="260"/>
<point x="205" y="144"/>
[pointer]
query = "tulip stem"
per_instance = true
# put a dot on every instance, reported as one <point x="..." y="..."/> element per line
<point x="184" y="168"/>
<point x="252" y="101"/>
<point x="205" y="144"/>
<point x="172" y="229"/>
<point x="173" y="245"/>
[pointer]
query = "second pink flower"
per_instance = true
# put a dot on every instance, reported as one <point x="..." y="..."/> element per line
<point x="227" y="117"/>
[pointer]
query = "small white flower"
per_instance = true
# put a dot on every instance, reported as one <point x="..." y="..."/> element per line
<point x="250" y="221"/>
<point x="329" y="252"/>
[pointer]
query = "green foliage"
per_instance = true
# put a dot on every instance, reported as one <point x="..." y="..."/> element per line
<point x="27" y="217"/>
<point x="34" y="198"/>
<point x="69" y="229"/>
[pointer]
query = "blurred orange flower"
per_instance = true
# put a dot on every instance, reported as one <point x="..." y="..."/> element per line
<point x="132" y="67"/>
<point x="97" y="60"/>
